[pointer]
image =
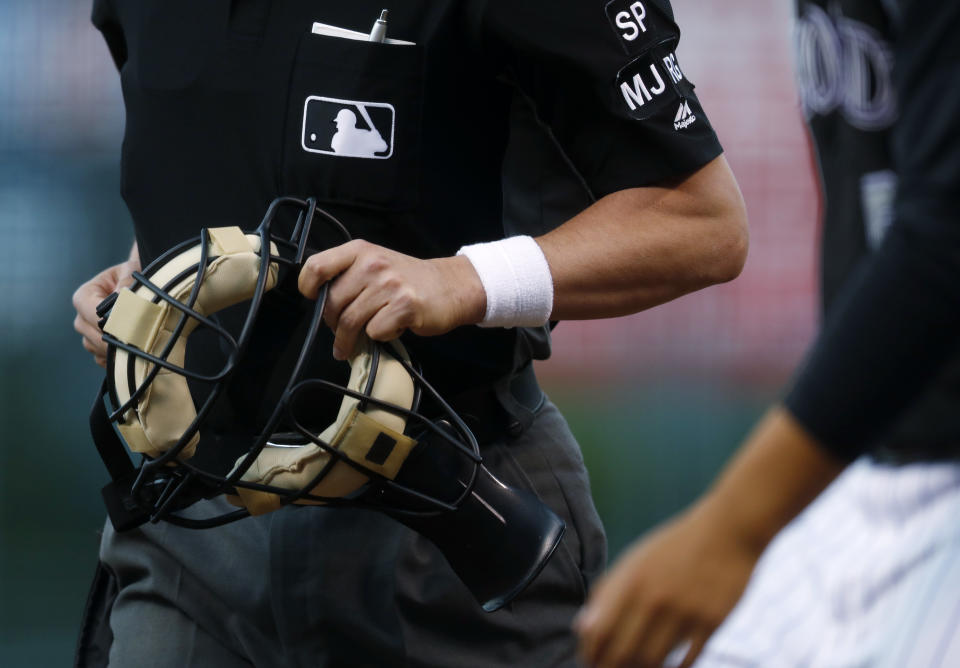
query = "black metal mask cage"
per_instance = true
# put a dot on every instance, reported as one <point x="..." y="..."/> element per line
<point x="157" y="487"/>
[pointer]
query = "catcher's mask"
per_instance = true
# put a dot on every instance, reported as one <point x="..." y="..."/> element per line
<point x="381" y="451"/>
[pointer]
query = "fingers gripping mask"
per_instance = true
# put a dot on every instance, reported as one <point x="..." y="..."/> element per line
<point x="383" y="450"/>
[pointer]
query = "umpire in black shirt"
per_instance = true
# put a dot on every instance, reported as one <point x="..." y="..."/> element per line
<point x="503" y="164"/>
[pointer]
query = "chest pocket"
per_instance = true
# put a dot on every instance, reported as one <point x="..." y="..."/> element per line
<point x="353" y="122"/>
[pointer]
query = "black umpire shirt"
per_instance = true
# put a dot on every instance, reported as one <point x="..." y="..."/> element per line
<point x="878" y="80"/>
<point x="500" y="118"/>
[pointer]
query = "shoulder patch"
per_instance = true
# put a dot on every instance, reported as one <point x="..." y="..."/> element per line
<point x="641" y="25"/>
<point x="650" y="83"/>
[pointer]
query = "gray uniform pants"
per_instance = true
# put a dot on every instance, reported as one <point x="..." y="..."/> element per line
<point x="351" y="588"/>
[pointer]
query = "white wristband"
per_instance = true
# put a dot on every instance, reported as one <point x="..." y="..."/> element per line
<point x="516" y="277"/>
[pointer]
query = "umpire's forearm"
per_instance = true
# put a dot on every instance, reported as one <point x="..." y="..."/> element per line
<point x="641" y="247"/>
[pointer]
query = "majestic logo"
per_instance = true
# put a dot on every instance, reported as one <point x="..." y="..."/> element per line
<point x="844" y="64"/>
<point x="348" y="128"/>
<point x="684" y="117"/>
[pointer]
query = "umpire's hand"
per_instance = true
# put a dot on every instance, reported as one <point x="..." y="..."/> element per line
<point x="383" y="292"/>
<point x="89" y="295"/>
<point x="666" y="595"/>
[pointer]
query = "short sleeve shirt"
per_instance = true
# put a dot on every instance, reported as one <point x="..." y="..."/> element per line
<point x="473" y="120"/>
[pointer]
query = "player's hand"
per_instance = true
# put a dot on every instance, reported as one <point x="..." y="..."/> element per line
<point x="665" y="595"/>
<point x="89" y="295"/>
<point x="382" y="292"/>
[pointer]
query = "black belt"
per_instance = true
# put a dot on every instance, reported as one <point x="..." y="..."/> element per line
<point x="505" y="408"/>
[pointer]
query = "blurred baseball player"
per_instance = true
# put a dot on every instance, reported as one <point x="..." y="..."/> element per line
<point x="866" y="575"/>
<point x="500" y="121"/>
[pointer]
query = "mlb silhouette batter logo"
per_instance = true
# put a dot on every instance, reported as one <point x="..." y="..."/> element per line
<point x="348" y="128"/>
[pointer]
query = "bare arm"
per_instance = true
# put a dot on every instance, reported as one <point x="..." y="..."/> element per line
<point x="679" y="583"/>
<point x="630" y="250"/>
<point x="776" y="473"/>
<point x="638" y="248"/>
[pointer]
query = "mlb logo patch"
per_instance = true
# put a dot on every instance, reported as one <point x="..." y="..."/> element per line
<point x="348" y="128"/>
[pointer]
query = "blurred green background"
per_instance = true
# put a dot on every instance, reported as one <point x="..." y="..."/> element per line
<point x="658" y="400"/>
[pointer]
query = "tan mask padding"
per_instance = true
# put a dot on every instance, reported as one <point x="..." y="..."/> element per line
<point x="372" y="438"/>
<point x="165" y="410"/>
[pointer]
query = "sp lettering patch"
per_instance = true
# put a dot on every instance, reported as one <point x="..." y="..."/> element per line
<point x="348" y="128"/>
<point x="650" y="83"/>
<point x="641" y="24"/>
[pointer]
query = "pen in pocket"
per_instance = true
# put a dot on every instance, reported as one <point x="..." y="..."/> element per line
<point x="378" y="32"/>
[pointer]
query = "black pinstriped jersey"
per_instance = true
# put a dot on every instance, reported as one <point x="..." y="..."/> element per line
<point x="877" y="84"/>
